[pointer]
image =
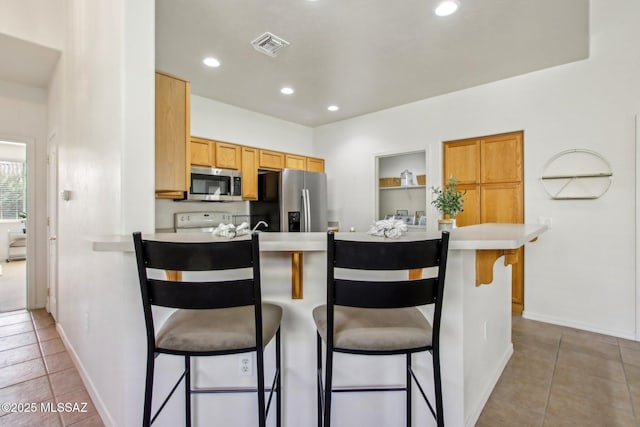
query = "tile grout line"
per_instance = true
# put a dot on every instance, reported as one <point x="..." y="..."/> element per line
<point x="626" y="381"/>
<point x="553" y="373"/>
<point x="46" y="370"/>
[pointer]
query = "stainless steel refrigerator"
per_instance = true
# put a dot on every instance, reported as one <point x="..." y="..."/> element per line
<point x="291" y="200"/>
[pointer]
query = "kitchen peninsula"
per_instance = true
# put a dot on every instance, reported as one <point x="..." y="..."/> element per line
<point x="475" y="335"/>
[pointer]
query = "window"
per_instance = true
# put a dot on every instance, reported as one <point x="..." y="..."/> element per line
<point x="12" y="190"/>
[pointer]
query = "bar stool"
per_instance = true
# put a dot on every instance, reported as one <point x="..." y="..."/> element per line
<point x="376" y="318"/>
<point x="212" y="318"/>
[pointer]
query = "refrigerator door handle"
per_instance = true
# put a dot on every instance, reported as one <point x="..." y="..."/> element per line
<point x="307" y="209"/>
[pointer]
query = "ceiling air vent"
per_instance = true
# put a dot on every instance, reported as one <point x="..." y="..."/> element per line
<point x="269" y="44"/>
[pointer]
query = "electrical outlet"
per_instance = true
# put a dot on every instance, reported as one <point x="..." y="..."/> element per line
<point x="245" y="365"/>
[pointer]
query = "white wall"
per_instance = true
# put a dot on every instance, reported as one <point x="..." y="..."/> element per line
<point x="223" y="122"/>
<point x="40" y="22"/>
<point x="23" y="118"/>
<point x="581" y="273"/>
<point x="102" y="110"/>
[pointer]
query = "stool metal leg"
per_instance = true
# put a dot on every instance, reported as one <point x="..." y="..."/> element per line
<point x="261" y="400"/>
<point x="327" y="388"/>
<point x="187" y="389"/>
<point x="148" y="390"/>
<point x="408" y="389"/>
<point x="279" y="381"/>
<point x="319" y="377"/>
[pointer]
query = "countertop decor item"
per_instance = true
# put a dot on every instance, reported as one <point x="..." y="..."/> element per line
<point x="391" y="228"/>
<point x="449" y="202"/>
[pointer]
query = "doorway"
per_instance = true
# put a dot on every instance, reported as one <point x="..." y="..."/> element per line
<point x="13" y="225"/>
<point x="491" y="170"/>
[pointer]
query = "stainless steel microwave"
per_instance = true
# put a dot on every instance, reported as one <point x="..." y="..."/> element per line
<point x="215" y="185"/>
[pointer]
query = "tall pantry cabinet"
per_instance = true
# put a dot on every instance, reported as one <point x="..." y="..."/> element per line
<point x="491" y="170"/>
<point x="173" y="129"/>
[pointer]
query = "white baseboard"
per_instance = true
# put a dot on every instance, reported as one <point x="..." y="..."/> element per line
<point x="88" y="384"/>
<point x="629" y="335"/>
<point x="474" y="415"/>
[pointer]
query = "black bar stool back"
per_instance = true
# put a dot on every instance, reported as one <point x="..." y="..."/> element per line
<point x="369" y="316"/>
<point x="213" y="317"/>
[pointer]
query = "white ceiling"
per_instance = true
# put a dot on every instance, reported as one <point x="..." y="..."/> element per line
<point x="362" y="55"/>
<point x="25" y="62"/>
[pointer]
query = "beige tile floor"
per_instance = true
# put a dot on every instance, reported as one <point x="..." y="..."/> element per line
<point x="35" y="369"/>
<point x="560" y="376"/>
<point x="556" y="377"/>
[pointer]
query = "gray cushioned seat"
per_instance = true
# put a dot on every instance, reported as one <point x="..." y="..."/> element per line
<point x="218" y="329"/>
<point x="375" y="329"/>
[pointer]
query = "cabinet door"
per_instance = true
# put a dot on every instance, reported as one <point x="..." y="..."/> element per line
<point x="470" y="214"/>
<point x="502" y="203"/>
<point x="462" y="160"/>
<point x="202" y="152"/>
<point x="249" y="173"/>
<point x="172" y="134"/>
<point x="501" y="158"/>
<point x="271" y="160"/>
<point x="227" y="155"/>
<point x="292" y="161"/>
<point x="315" y="165"/>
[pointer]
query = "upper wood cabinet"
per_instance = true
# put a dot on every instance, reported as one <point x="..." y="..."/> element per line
<point x="271" y="160"/>
<point x="203" y="152"/>
<point x="228" y="156"/>
<point x="293" y="161"/>
<point x="172" y="128"/>
<point x="249" y="173"/>
<point x="215" y="154"/>
<point x="315" y="165"/>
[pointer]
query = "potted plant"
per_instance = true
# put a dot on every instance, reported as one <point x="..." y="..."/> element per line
<point x="448" y="201"/>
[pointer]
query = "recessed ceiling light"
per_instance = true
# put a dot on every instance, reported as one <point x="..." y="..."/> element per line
<point x="333" y="108"/>
<point x="287" y="91"/>
<point x="446" y="8"/>
<point x="211" y="62"/>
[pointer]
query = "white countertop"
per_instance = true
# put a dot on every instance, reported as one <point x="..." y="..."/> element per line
<point x="480" y="236"/>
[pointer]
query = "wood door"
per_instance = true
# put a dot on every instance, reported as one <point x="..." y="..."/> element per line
<point x="249" y="173"/>
<point x="462" y="160"/>
<point x="471" y="213"/>
<point x="501" y="158"/>
<point x="292" y="161"/>
<point x="491" y="169"/>
<point x="315" y="165"/>
<point x="172" y="134"/>
<point x="227" y="155"/>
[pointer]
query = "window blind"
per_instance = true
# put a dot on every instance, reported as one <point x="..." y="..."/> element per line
<point x="12" y="189"/>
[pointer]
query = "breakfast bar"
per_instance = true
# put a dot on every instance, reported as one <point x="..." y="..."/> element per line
<point x="475" y="333"/>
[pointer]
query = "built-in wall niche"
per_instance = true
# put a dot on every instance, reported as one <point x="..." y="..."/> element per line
<point x="394" y="198"/>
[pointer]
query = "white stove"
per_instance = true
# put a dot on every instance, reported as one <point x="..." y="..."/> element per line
<point x="190" y="222"/>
